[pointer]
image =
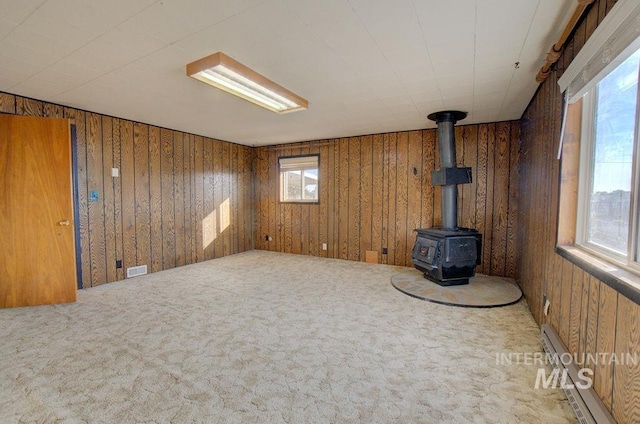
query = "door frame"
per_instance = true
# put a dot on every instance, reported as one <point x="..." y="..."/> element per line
<point x="76" y="204"/>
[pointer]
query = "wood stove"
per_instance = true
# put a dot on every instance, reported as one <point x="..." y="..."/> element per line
<point x="448" y="255"/>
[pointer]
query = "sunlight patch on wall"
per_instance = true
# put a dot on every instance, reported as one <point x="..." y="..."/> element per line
<point x="225" y="215"/>
<point x="209" y="229"/>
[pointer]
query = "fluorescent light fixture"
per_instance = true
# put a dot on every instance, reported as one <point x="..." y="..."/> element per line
<point x="225" y="73"/>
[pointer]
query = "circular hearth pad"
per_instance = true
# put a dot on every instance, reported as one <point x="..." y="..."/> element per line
<point x="482" y="291"/>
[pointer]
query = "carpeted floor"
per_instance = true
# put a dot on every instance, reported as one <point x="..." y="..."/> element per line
<point x="268" y="338"/>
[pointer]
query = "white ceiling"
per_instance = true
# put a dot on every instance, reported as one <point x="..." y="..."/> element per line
<point x="365" y="66"/>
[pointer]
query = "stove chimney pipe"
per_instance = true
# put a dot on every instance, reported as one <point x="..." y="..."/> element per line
<point x="448" y="176"/>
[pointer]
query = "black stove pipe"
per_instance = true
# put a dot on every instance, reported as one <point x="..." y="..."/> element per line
<point x="447" y="145"/>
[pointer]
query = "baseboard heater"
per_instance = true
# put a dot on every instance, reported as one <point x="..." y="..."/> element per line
<point x="586" y="404"/>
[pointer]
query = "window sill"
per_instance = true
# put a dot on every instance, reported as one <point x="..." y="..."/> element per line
<point x="621" y="280"/>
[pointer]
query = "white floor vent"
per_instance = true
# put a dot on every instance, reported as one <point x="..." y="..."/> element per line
<point x="586" y="404"/>
<point x="134" y="271"/>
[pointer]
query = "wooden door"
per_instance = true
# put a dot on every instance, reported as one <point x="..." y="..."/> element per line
<point x="37" y="246"/>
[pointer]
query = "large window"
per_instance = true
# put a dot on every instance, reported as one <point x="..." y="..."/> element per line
<point x="299" y="179"/>
<point x="599" y="205"/>
<point x="608" y="193"/>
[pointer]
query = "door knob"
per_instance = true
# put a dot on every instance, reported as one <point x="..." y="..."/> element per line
<point x="63" y="223"/>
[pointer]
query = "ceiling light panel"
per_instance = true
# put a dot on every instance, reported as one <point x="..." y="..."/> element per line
<point x="225" y="73"/>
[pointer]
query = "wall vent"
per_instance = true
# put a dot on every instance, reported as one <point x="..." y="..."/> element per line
<point x="586" y="404"/>
<point x="134" y="271"/>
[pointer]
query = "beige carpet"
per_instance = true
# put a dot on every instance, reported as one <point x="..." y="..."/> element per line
<point x="268" y="338"/>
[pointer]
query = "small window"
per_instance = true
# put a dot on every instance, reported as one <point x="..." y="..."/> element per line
<point x="299" y="179"/>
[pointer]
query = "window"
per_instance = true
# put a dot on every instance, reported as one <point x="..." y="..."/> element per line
<point x="599" y="207"/>
<point x="299" y="179"/>
<point x="607" y="156"/>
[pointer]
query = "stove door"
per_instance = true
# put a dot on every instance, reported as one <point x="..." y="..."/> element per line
<point x="425" y="252"/>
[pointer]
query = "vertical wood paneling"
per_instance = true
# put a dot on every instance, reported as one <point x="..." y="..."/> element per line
<point x="117" y="197"/>
<point x="51" y="110"/>
<point x="209" y="218"/>
<point x="152" y="213"/>
<point x="377" y="193"/>
<point x="7" y="103"/>
<point x="305" y="242"/>
<point x="127" y="176"/>
<point x="224" y="207"/>
<point x="375" y="190"/>
<point x="353" y="217"/>
<point x="428" y="164"/>
<point x="325" y="228"/>
<point x="179" y="201"/>
<point x="294" y="219"/>
<point x="109" y="199"/>
<point x="246" y="189"/>
<point x="575" y="309"/>
<point x="584" y="313"/>
<point x="285" y="229"/>
<point x="385" y="195"/>
<point x="95" y="177"/>
<point x="272" y="184"/>
<point x="565" y="302"/>
<point x="554" y="292"/>
<point x="233" y="198"/>
<point x="142" y="190"/>
<point x="467" y="210"/>
<point x="514" y="201"/>
<point x="605" y="342"/>
<point x="189" y="201"/>
<point x="481" y="193"/>
<point x="460" y="148"/>
<point x="488" y="259"/>
<point x="592" y="319"/>
<point x="29" y="107"/>
<point x="198" y="193"/>
<point x="168" y="205"/>
<point x="500" y="199"/>
<point x="313" y="212"/>
<point x="392" y="202"/>
<point x="626" y="383"/>
<point x="155" y="198"/>
<point x="366" y="192"/>
<point x="217" y="192"/>
<point x="414" y="192"/>
<point x="343" y="201"/>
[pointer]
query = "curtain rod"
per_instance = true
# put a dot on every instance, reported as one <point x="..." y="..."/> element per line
<point x="556" y="50"/>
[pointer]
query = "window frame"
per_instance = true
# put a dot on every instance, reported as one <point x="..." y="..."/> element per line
<point x="629" y="260"/>
<point x="281" y="172"/>
<point x="615" y="37"/>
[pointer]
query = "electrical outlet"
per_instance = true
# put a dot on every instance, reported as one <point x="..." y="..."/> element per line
<point x="324" y="246"/>
<point x="118" y="263"/>
<point x="385" y="251"/>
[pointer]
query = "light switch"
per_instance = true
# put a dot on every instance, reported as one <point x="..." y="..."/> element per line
<point x="115" y="172"/>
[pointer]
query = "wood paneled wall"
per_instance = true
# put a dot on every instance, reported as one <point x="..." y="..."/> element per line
<point x="376" y="189"/>
<point x="589" y="316"/>
<point x="180" y="198"/>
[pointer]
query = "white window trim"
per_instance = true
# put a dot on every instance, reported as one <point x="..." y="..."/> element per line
<point x="615" y="35"/>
